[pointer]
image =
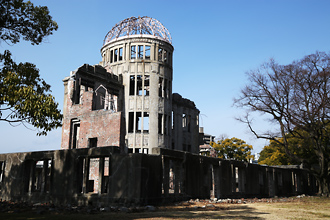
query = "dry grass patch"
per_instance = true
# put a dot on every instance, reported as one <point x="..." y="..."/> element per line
<point x="291" y="208"/>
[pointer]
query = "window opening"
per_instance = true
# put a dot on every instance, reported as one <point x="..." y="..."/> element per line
<point x="142" y="121"/>
<point x="236" y="179"/>
<point x="165" y="125"/>
<point x="2" y="172"/>
<point x="92" y="142"/>
<point x="146" y="85"/>
<point x="111" y="56"/>
<point x="99" y="98"/>
<point x="116" y="55"/>
<point x="145" y="150"/>
<point x="172" y="179"/>
<point x="160" y="123"/>
<point x="39" y="176"/>
<point x="184" y="121"/>
<point x="76" y="96"/>
<point x="75" y="128"/>
<point x="106" y="174"/>
<point x="132" y="85"/>
<point x="147" y="55"/>
<point x="80" y="174"/>
<point x="133" y="52"/>
<point x="130" y="122"/>
<point x="166" y="95"/>
<point x="120" y="57"/>
<point x="139" y="84"/>
<point x="93" y="175"/>
<point x="140" y="51"/>
<point x="165" y="56"/>
<point x="160" y="54"/>
<point x="160" y="87"/>
<point x="137" y="150"/>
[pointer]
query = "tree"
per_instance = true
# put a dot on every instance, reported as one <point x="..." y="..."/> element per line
<point x="233" y="148"/>
<point x="24" y="96"/>
<point x="296" y="99"/>
<point x="274" y="153"/>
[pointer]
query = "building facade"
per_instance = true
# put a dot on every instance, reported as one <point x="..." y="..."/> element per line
<point x="127" y="99"/>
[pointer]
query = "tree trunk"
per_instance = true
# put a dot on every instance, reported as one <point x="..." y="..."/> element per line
<point x="323" y="187"/>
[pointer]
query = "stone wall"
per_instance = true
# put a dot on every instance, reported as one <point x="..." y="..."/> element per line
<point x="104" y="176"/>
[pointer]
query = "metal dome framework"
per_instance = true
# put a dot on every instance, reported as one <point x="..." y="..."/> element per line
<point x="138" y="26"/>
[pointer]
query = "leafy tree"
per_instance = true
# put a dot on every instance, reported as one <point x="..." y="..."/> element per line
<point x="296" y="99"/>
<point x="233" y="148"/>
<point x="24" y="96"/>
<point x="274" y="153"/>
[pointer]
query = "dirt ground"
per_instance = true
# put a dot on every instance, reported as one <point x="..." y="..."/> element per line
<point x="279" y="208"/>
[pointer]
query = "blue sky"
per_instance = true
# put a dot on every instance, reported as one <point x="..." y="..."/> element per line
<point x="215" y="44"/>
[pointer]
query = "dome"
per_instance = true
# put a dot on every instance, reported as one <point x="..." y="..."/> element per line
<point x="138" y="26"/>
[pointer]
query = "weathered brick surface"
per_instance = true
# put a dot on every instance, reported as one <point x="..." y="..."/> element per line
<point x="105" y="125"/>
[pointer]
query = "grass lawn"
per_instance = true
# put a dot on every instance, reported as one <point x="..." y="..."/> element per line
<point x="291" y="208"/>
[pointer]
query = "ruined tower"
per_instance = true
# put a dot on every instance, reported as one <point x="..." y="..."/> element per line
<point x="140" y="50"/>
<point x="132" y="85"/>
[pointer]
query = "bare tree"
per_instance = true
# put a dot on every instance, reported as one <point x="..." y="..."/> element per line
<point x="297" y="99"/>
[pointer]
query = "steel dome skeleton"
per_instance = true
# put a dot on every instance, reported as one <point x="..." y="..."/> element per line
<point x="138" y="26"/>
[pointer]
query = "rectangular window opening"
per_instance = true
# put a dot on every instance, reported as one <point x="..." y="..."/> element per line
<point x="166" y="92"/>
<point x="92" y="142"/>
<point x="132" y="85"/>
<point x="116" y="55"/>
<point x="139" y="85"/>
<point x="160" y="87"/>
<point x="165" y="56"/>
<point x="140" y="51"/>
<point x="111" y="56"/>
<point x="106" y="174"/>
<point x="236" y="179"/>
<point x="142" y="122"/>
<point x="120" y="57"/>
<point x="147" y="55"/>
<point x="76" y="93"/>
<point x="133" y="52"/>
<point x="74" y="136"/>
<point x="130" y="122"/>
<point x="172" y="120"/>
<point x="146" y="85"/>
<point x="160" y="54"/>
<point x="2" y="172"/>
<point x="41" y="173"/>
<point x="184" y="121"/>
<point x="160" y="123"/>
<point x="165" y="125"/>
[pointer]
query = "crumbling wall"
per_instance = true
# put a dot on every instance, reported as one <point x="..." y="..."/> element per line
<point x="92" y="116"/>
<point x="103" y="176"/>
<point x="185" y="127"/>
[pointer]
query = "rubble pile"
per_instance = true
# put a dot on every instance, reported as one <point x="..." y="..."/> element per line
<point x="193" y="204"/>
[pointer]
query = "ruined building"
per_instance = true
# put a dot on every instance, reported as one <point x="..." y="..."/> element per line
<point x="126" y="139"/>
<point x="127" y="99"/>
